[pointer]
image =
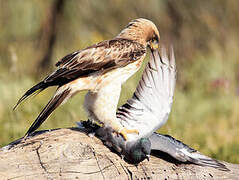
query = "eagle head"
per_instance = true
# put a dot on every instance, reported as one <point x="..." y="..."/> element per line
<point x="143" y="31"/>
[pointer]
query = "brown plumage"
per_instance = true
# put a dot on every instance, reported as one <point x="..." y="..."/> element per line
<point x="101" y="69"/>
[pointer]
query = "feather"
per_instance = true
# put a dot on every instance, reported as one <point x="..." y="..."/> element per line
<point x="102" y="57"/>
<point x="55" y="101"/>
<point x="182" y="152"/>
<point x="153" y="95"/>
<point x="34" y="90"/>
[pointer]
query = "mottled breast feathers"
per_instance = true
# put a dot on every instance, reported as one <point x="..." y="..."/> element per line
<point x="103" y="56"/>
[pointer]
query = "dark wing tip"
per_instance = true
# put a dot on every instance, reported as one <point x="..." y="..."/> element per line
<point x="19" y="101"/>
<point x="202" y="160"/>
<point x="48" y="109"/>
<point x="33" y="91"/>
<point x="212" y="163"/>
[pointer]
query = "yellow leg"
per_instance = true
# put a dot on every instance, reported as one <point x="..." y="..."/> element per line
<point x="125" y="131"/>
<point x="119" y="129"/>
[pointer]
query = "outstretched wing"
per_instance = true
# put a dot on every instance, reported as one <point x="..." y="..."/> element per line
<point x="101" y="57"/>
<point x="151" y="103"/>
<point x="182" y="152"/>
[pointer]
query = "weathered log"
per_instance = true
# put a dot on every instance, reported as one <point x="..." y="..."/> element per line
<point x="71" y="154"/>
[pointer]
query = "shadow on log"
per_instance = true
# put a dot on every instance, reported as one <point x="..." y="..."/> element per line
<point x="71" y="154"/>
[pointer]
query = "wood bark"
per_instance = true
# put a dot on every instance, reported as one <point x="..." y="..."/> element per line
<point x="72" y="154"/>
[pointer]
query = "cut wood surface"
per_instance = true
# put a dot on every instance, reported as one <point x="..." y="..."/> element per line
<point x="71" y="154"/>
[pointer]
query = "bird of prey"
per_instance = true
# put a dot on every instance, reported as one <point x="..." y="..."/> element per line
<point x="101" y="69"/>
<point x="147" y="111"/>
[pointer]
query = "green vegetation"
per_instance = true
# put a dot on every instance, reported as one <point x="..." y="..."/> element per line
<point x="205" y="111"/>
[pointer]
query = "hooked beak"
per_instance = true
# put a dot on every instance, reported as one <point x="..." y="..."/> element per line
<point x="147" y="157"/>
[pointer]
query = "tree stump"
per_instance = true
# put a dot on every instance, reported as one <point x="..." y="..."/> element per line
<point x="72" y="154"/>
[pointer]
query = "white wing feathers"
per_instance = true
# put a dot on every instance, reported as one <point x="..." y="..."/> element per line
<point x="151" y="103"/>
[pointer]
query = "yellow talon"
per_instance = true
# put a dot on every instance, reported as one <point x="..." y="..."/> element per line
<point x="125" y="131"/>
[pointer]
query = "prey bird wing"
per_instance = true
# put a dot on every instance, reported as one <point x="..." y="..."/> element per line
<point x="182" y="152"/>
<point x="151" y="103"/>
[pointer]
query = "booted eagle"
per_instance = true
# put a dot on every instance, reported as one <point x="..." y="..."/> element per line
<point x="101" y="69"/>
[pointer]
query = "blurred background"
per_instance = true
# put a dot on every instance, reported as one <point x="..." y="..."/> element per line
<point x="205" y="35"/>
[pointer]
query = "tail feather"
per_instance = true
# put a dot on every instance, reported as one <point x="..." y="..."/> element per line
<point x="34" y="90"/>
<point x="56" y="100"/>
